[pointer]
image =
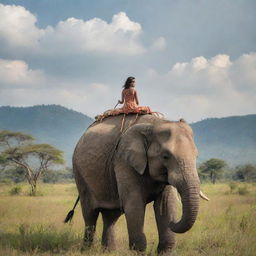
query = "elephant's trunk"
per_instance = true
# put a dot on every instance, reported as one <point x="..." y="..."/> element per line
<point x="188" y="188"/>
<point x="190" y="207"/>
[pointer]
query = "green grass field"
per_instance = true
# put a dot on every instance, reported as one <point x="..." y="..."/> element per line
<point x="226" y="225"/>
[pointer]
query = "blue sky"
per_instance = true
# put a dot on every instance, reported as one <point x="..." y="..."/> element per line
<point x="191" y="59"/>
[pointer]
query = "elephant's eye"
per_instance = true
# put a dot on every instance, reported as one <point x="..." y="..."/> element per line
<point x="166" y="156"/>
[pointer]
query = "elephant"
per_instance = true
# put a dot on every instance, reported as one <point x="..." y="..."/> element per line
<point x="121" y="172"/>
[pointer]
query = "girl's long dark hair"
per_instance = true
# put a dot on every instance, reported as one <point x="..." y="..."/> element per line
<point x="128" y="82"/>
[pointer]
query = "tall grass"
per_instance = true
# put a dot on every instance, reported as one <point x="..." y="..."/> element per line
<point x="226" y="225"/>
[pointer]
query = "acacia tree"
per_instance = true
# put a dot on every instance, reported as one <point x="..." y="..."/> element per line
<point x="18" y="149"/>
<point x="213" y="168"/>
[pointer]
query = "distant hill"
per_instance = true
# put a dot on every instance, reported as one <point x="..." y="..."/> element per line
<point x="231" y="138"/>
<point x="51" y="124"/>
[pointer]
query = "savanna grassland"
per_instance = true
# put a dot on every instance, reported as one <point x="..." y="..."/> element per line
<point x="226" y="225"/>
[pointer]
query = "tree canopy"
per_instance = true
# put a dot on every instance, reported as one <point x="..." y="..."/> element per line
<point x="213" y="168"/>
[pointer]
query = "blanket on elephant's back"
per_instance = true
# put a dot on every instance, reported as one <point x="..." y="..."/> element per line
<point x="110" y="113"/>
<point x="116" y="112"/>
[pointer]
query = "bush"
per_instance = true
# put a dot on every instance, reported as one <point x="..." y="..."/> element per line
<point x="233" y="186"/>
<point x="6" y="181"/>
<point x="54" y="176"/>
<point x="246" y="173"/>
<point x="15" y="190"/>
<point x="243" y="190"/>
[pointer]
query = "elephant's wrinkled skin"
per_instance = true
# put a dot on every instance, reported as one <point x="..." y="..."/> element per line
<point x="123" y="175"/>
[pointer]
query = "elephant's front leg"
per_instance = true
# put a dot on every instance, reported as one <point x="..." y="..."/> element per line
<point x="134" y="209"/>
<point x="165" y="211"/>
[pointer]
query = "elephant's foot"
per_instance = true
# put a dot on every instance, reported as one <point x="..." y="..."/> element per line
<point x="86" y="246"/>
<point x="167" y="253"/>
<point x="108" y="241"/>
<point x="138" y="242"/>
<point x="88" y="237"/>
<point x="166" y="248"/>
<point x="109" y="247"/>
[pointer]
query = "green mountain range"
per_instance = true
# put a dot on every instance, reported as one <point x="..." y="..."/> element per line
<point x="231" y="138"/>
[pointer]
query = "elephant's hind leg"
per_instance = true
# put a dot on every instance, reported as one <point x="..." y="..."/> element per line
<point x="90" y="227"/>
<point x="90" y="214"/>
<point x="110" y="217"/>
<point x="90" y="218"/>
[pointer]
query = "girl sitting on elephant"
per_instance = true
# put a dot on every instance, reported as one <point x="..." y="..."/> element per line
<point x="130" y="101"/>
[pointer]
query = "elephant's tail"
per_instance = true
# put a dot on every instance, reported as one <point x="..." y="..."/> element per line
<point x="71" y="213"/>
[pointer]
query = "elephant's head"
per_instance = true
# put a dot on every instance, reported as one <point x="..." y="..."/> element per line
<point x="167" y="151"/>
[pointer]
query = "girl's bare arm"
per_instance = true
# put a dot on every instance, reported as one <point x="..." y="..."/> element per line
<point x="136" y="98"/>
<point x="122" y="101"/>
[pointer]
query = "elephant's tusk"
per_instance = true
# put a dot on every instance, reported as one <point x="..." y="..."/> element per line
<point x="203" y="196"/>
<point x="177" y="197"/>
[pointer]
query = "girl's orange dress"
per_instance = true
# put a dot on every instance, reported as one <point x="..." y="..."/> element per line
<point x="130" y="105"/>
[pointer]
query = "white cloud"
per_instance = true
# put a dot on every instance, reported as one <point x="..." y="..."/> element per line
<point x="120" y="22"/>
<point x="199" y="63"/>
<point x="220" y="61"/>
<point x="121" y="36"/>
<point x="158" y="44"/>
<point x="200" y="75"/>
<point x="244" y="73"/>
<point x="17" y="73"/>
<point x="18" y="30"/>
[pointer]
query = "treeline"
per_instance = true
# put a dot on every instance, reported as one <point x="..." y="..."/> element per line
<point x="17" y="175"/>
<point x="217" y="169"/>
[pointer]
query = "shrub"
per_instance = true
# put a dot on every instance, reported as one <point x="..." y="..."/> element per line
<point x="243" y="190"/>
<point x="6" y="181"/>
<point x="15" y="190"/>
<point x="244" y="223"/>
<point x="38" y="193"/>
<point x="45" y="238"/>
<point x="233" y="186"/>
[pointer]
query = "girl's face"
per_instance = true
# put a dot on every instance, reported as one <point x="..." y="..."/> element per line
<point x="133" y="82"/>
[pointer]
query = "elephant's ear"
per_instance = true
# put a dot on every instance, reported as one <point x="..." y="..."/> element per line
<point x="133" y="146"/>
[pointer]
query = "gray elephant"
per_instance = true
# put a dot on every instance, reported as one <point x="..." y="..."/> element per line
<point x="120" y="173"/>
